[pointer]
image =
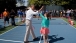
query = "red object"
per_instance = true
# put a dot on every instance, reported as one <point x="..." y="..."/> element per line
<point x="44" y="31"/>
<point x="69" y="20"/>
<point x="72" y="23"/>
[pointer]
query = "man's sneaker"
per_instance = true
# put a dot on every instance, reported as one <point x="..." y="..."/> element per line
<point x="36" y="39"/>
<point x="26" y="42"/>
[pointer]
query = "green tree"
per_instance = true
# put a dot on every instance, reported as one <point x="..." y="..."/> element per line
<point x="47" y="2"/>
<point x="64" y="3"/>
<point x="60" y="2"/>
<point x="39" y="2"/>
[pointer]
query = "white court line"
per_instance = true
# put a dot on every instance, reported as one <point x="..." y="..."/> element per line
<point x="10" y="40"/>
<point x="9" y="30"/>
<point x="69" y="24"/>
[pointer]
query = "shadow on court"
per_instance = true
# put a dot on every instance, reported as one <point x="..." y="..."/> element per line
<point x="52" y="38"/>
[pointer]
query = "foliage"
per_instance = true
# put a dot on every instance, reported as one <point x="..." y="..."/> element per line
<point x="59" y="2"/>
<point x="39" y="2"/>
<point x="47" y="2"/>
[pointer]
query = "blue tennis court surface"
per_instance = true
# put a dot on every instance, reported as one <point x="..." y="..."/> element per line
<point x="60" y="32"/>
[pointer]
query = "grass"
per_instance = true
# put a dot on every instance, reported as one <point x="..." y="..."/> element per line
<point x="67" y="21"/>
<point x="8" y="28"/>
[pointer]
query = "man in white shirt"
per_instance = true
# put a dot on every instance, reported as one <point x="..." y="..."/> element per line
<point x="29" y="16"/>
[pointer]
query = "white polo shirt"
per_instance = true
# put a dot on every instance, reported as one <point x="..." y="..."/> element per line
<point x="30" y="13"/>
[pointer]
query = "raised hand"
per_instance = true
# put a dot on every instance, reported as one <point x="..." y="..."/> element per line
<point x="41" y="8"/>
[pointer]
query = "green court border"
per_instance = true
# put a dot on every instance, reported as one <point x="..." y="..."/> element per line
<point x="67" y="21"/>
<point x="3" y="30"/>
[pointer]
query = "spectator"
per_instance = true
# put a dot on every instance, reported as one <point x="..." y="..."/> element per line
<point x="68" y="13"/>
<point x="74" y="14"/>
<point x="12" y="15"/>
<point x="57" y="12"/>
<point x="63" y="13"/>
<point x="18" y="12"/>
<point x="6" y="17"/>
<point x="21" y="15"/>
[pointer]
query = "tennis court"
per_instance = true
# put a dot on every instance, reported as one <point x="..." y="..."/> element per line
<point x="60" y="32"/>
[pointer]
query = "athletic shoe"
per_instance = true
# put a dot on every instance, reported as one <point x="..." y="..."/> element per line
<point x="36" y="39"/>
<point x="26" y="42"/>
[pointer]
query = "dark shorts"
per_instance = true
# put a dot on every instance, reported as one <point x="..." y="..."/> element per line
<point x="6" y="19"/>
